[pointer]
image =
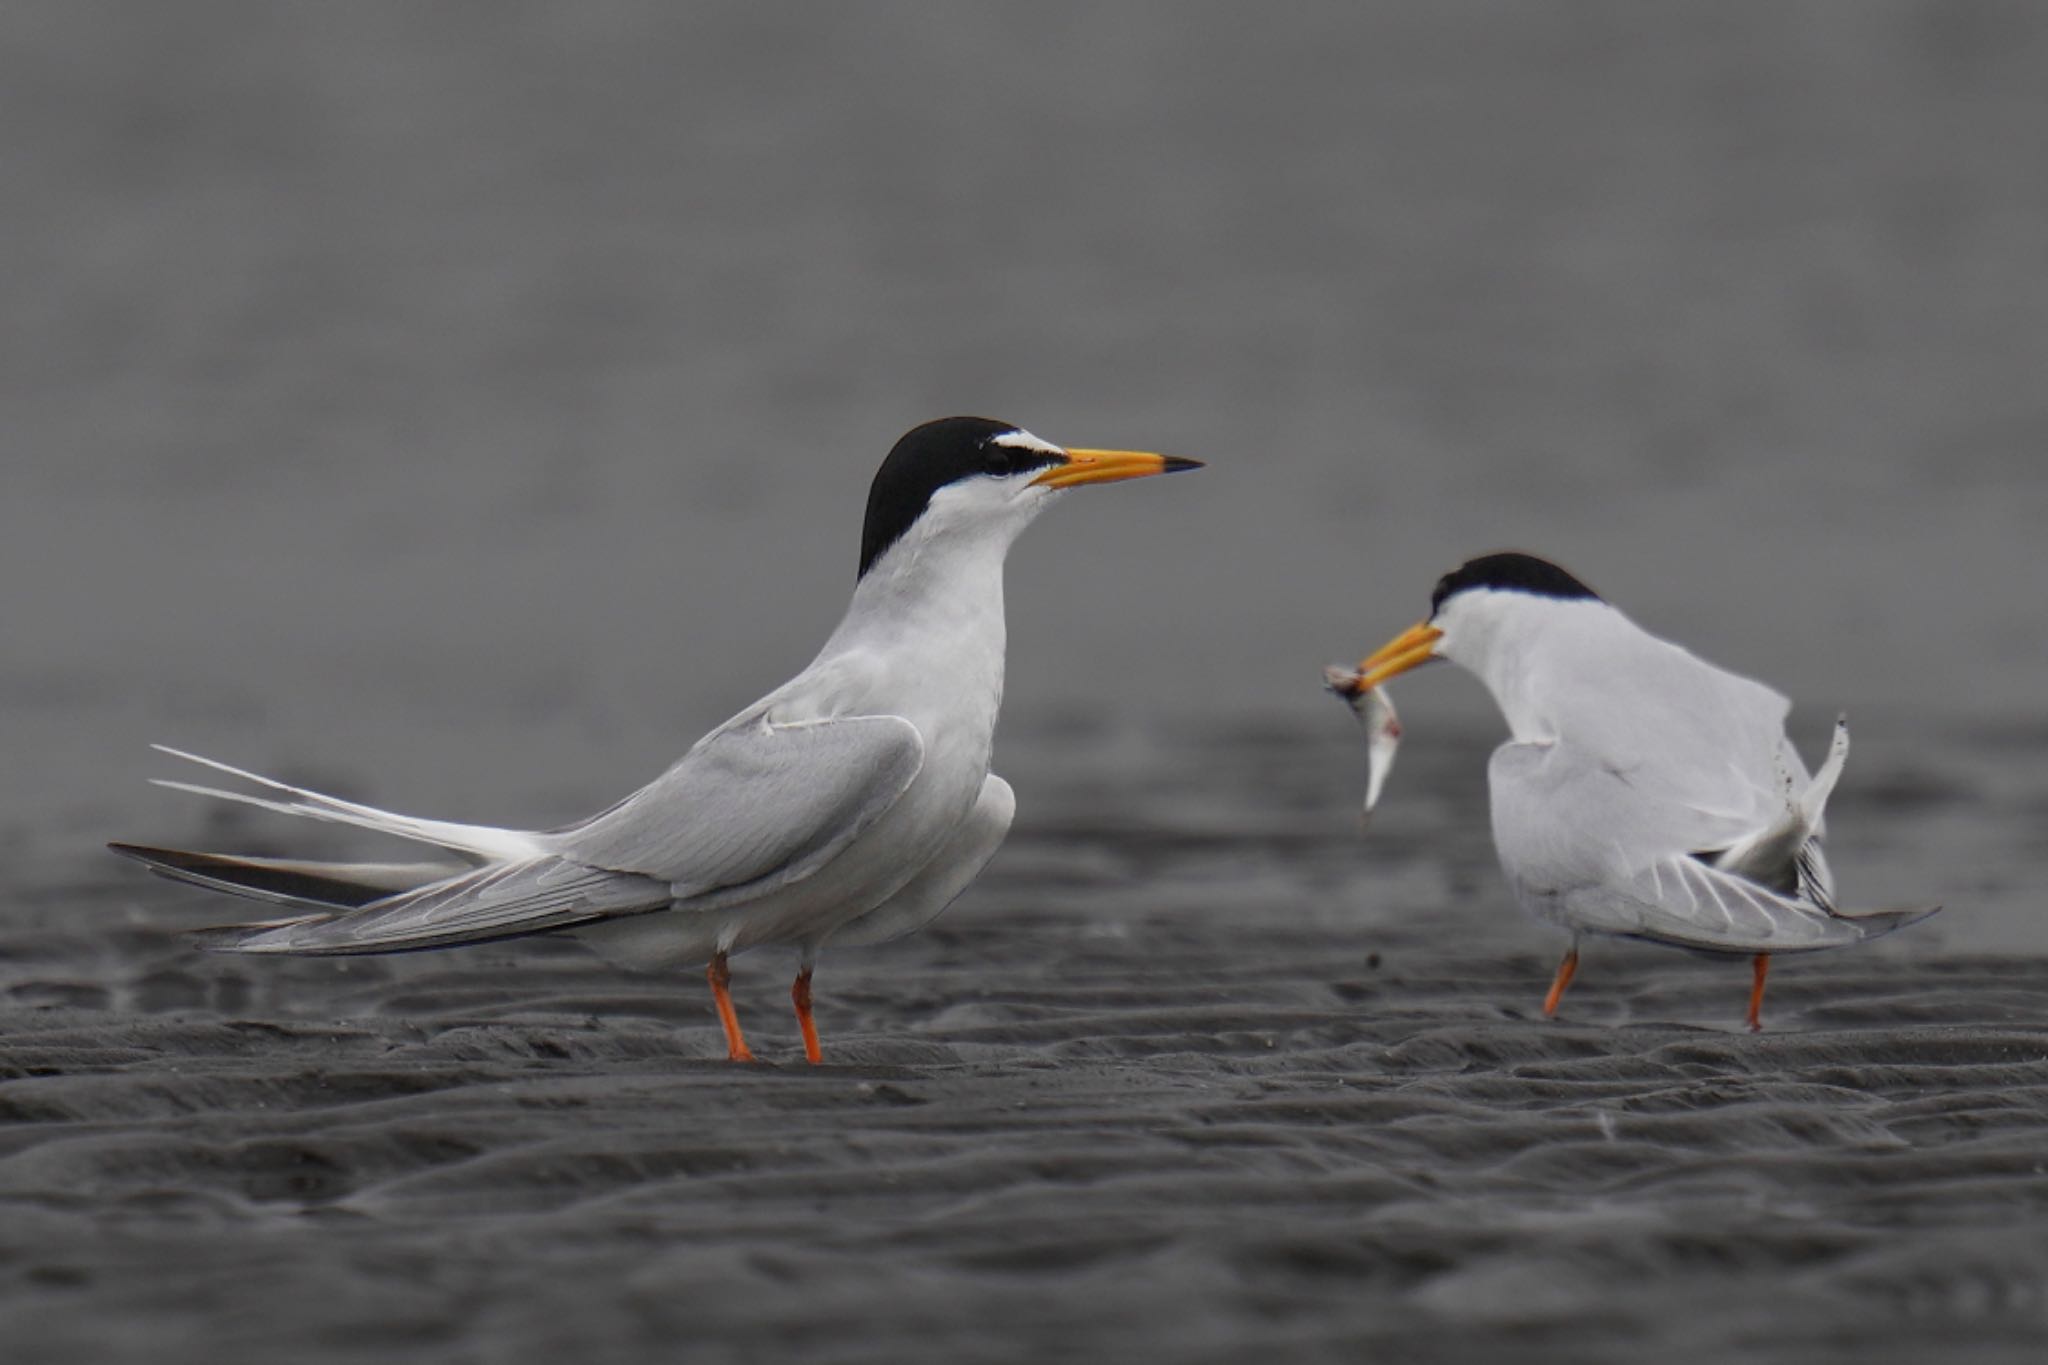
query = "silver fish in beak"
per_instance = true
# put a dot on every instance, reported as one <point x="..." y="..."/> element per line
<point x="1375" y="711"/>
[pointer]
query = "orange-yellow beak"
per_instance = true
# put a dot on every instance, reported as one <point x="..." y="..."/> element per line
<point x="1108" y="466"/>
<point x="1413" y="646"/>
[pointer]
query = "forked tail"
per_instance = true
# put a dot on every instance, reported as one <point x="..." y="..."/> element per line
<point x="476" y="844"/>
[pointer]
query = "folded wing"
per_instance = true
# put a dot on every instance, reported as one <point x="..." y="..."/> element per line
<point x="507" y="901"/>
<point x="753" y="807"/>
<point x="1684" y="901"/>
<point x="1622" y="852"/>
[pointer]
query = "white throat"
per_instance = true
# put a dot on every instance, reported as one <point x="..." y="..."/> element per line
<point x="1535" y="654"/>
<point x="930" y="609"/>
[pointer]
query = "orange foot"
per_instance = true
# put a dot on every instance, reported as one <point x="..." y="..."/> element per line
<point x="1762" y="966"/>
<point x="720" y="977"/>
<point x="1563" y="979"/>
<point x="801" y="994"/>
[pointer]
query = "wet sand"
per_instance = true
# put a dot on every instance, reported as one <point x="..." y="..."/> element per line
<point x="1170" y="1083"/>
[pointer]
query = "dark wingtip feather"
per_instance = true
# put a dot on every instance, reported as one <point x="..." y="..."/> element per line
<point x="1878" y="923"/>
<point x="316" y="886"/>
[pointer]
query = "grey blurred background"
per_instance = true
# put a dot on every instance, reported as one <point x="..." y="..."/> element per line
<point x="471" y="403"/>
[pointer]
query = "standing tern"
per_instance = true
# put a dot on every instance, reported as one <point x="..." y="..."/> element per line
<point x="850" y="805"/>
<point x="1643" y="792"/>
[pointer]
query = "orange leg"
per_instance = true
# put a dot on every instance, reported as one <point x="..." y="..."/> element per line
<point x="801" y="994"/>
<point x="720" y="977"/>
<point x="1756" y="993"/>
<point x="1563" y="979"/>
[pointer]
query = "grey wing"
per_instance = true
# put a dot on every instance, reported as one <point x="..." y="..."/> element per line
<point x="506" y="900"/>
<point x="754" y="806"/>
<point x="1681" y="900"/>
<point x="1705" y="748"/>
<point x="751" y="807"/>
<point x="1582" y="843"/>
<point x="1693" y="904"/>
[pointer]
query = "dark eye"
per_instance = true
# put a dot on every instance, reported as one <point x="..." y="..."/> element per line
<point x="1003" y="461"/>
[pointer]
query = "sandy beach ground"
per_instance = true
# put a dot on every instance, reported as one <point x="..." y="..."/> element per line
<point x="1192" y="1074"/>
<point x="464" y="408"/>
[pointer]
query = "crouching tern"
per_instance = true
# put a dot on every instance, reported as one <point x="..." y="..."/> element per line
<point x="850" y="805"/>
<point x="1643" y="792"/>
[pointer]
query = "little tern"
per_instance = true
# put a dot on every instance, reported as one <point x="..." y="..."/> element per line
<point x="849" y="806"/>
<point x="1643" y="792"/>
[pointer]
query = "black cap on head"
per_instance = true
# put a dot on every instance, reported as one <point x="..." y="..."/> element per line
<point x="927" y="459"/>
<point x="1510" y="571"/>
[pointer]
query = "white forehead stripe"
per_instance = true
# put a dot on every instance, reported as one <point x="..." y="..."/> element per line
<point x="1024" y="440"/>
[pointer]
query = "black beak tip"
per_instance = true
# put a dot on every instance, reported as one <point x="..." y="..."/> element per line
<point x="1176" y="463"/>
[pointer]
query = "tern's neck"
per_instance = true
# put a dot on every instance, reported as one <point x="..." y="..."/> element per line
<point x="931" y="592"/>
<point x="1534" y="657"/>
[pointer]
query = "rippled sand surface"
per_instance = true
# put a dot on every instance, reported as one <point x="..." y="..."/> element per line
<point x="1177" y="1080"/>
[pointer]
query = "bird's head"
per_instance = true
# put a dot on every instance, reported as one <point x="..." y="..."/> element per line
<point x="1474" y="609"/>
<point x="977" y="477"/>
